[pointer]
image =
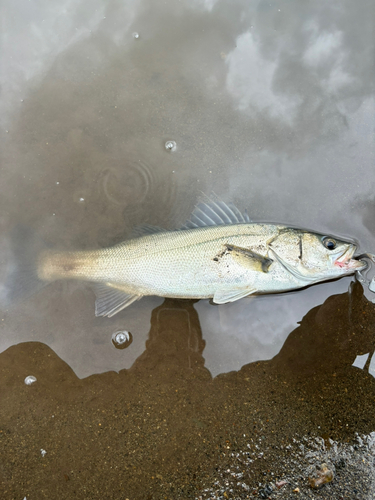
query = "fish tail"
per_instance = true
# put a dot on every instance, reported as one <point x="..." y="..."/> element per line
<point x="19" y="276"/>
<point x="54" y="265"/>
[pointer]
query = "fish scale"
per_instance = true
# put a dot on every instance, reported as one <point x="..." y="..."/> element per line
<point x="208" y="258"/>
<point x="167" y="262"/>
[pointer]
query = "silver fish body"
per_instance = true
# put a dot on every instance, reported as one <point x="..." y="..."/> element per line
<point x="193" y="263"/>
<point x="210" y="258"/>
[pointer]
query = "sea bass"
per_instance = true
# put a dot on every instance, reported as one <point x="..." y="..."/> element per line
<point x="218" y="254"/>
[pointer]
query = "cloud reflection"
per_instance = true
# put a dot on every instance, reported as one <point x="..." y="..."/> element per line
<point x="250" y="81"/>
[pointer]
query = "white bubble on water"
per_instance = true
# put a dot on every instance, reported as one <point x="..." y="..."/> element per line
<point x="82" y="199"/>
<point x="171" y="146"/>
<point x="30" y="379"/>
<point x="122" y="339"/>
<point x="136" y="35"/>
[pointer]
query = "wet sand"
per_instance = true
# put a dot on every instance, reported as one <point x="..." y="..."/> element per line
<point x="166" y="429"/>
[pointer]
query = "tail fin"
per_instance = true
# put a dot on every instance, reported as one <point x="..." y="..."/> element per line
<point x="19" y="254"/>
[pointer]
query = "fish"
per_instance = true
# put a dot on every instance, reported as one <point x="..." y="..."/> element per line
<point x="218" y="254"/>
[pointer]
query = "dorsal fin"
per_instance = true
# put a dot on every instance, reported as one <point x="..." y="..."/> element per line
<point x="215" y="212"/>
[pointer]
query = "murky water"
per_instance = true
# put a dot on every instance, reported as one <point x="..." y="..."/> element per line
<point x="115" y="114"/>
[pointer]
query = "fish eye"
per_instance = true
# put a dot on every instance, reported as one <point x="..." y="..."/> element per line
<point x="329" y="243"/>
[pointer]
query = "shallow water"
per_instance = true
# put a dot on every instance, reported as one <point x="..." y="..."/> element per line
<point x="271" y="106"/>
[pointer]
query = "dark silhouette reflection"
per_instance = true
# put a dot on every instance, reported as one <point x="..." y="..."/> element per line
<point x="163" y="428"/>
<point x="330" y="337"/>
<point x="175" y="343"/>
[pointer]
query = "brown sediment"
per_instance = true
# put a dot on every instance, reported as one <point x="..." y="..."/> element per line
<point x="166" y="429"/>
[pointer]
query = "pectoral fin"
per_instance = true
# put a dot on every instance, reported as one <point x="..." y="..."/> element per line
<point x="111" y="299"/>
<point x="224" y="296"/>
<point x="249" y="259"/>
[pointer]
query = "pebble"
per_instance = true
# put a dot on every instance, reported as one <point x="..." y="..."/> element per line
<point x="280" y="484"/>
<point x="265" y="492"/>
<point x="323" y="476"/>
<point x="30" y="379"/>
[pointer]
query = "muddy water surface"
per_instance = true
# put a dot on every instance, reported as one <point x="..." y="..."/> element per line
<point x="271" y="106"/>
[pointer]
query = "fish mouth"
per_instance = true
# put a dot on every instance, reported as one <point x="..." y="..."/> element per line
<point x="345" y="261"/>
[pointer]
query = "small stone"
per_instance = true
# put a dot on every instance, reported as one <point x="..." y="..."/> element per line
<point x="296" y="490"/>
<point x="340" y="463"/>
<point x="265" y="492"/>
<point x="280" y="484"/>
<point x="30" y="379"/>
<point x="323" y="476"/>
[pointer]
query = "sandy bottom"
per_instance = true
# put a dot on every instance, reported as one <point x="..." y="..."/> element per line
<point x="165" y="429"/>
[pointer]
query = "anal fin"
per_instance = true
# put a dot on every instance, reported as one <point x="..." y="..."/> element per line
<point x="112" y="298"/>
<point x="224" y="296"/>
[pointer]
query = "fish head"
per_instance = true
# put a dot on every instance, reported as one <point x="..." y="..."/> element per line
<point x="314" y="257"/>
